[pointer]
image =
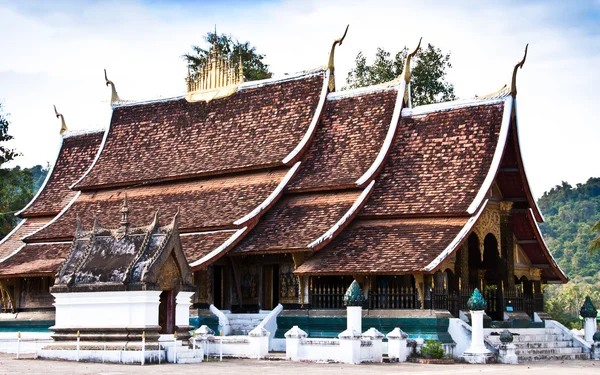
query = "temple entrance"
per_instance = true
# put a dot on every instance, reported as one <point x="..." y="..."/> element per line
<point x="474" y="261"/>
<point x="221" y="282"/>
<point x="166" y="312"/>
<point x="270" y="290"/>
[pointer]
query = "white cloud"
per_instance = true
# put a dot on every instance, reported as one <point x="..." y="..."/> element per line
<point x="55" y="55"/>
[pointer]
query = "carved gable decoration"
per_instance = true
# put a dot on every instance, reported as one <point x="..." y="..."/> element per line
<point x="489" y="222"/>
<point x="102" y="259"/>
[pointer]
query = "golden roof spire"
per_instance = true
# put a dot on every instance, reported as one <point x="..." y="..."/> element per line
<point x="331" y="65"/>
<point x="114" y="97"/>
<point x="63" y="125"/>
<point x="519" y="65"/>
<point x="406" y="74"/>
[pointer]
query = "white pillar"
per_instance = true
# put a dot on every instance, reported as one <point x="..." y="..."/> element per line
<point x="354" y="318"/>
<point x="376" y="339"/>
<point x="397" y="350"/>
<point x="293" y="342"/>
<point x="477" y="352"/>
<point x="182" y="308"/>
<point x="507" y="354"/>
<point x="349" y="347"/>
<point x="259" y="342"/>
<point x="596" y="351"/>
<point x="589" y="328"/>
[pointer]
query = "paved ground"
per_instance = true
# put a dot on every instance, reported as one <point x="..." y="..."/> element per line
<point x="9" y="365"/>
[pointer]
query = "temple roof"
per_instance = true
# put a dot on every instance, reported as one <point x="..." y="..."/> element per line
<point x="384" y="247"/>
<point x="257" y="127"/>
<point x="438" y="162"/>
<point x="76" y="154"/>
<point x="42" y="259"/>
<point x="349" y="137"/>
<point x="12" y="241"/>
<point x="204" y="204"/>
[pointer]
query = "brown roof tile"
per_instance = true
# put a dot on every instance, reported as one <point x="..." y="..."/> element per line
<point x="36" y="259"/>
<point x="384" y="247"/>
<point x="197" y="245"/>
<point x="297" y="220"/>
<point x="12" y="241"/>
<point x="254" y="128"/>
<point x="205" y="203"/>
<point x="347" y="141"/>
<point x="438" y="162"/>
<point x="74" y="158"/>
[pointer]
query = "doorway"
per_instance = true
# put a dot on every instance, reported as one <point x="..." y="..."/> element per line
<point x="270" y="287"/>
<point x="221" y="285"/>
<point x="166" y="312"/>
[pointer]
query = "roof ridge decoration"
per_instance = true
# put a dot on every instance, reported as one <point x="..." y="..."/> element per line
<point x="114" y="97"/>
<point x="63" y="125"/>
<point x="219" y="77"/>
<point x="406" y="74"/>
<point x="330" y="64"/>
<point x="506" y="90"/>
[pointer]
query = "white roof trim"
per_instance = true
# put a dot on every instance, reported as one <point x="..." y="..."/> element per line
<point x="219" y="249"/>
<point x="13" y="231"/>
<point x="337" y="95"/>
<point x="523" y="165"/>
<point x="57" y="216"/>
<point x="244" y="86"/>
<point x="96" y="158"/>
<point x="491" y="175"/>
<point x="448" y="106"/>
<point x="274" y="194"/>
<point x="388" y="138"/>
<point x="208" y="232"/>
<point x="355" y="206"/>
<point x="13" y="253"/>
<point x="50" y="172"/>
<point x="457" y="240"/>
<point x="77" y="133"/>
<point x="540" y="236"/>
<point x="313" y="123"/>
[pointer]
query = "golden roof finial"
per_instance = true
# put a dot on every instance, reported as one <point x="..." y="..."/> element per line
<point x="331" y="65"/>
<point x="406" y="74"/>
<point x="114" y="97"/>
<point x="513" y="82"/>
<point x="63" y="125"/>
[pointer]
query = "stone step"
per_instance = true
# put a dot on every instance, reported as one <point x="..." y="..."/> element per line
<point x="539" y="351"/>
<point x="530" y="338"/>
<point x="552" y="357"/>
<point x="522" y="331"/>
<point x="189" y="360"/>
<point x="543" y="345"/>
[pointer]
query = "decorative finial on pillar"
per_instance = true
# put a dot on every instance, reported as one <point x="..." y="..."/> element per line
<point x="63" y="125"/>
<point x="406" y="74"/>
<point x="114" y="97"/>
<point x="331" y="65"/>
<point x="588" y="310"/>
<point x="125" y="215"/>
<point x="513" y="84"/>
<point x="476" y="302"/>
<point x="354" y="295"/>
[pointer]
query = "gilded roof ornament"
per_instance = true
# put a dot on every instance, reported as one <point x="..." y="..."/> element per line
<point x="114" y="97"/>
<point x="406" y="74"/>
<point x="331" y="65"/>
<point x="513" y="82"/>
<point x="218" y="77"/>
<point x="63" y="125"/>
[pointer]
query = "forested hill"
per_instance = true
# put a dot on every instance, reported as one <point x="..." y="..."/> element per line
<point x="570" y="213"/>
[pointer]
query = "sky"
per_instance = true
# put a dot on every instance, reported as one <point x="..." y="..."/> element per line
<point x="54" y="53"/>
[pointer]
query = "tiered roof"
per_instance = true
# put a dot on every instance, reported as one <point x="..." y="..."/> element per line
<point x="356" y="179"/>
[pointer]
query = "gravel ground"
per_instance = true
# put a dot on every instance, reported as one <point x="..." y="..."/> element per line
<point x="28" y="365"/>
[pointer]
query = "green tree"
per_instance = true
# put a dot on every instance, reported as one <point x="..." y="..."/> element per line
<point x="428" y="79"/>
<point x="595" y="243"/>
<point x="6" y="154"/>
<point x="252" y="61"/>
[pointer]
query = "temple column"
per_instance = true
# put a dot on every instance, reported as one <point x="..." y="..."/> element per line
<point x="507" y="244"/>
<point x="462" y="267"/>
<point x="419" y="284"/>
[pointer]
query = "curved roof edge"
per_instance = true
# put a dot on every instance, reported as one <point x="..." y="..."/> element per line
<point x="389" y="138"/>
<point x="98" y="153"/>
<point x="12" y="232"/>
<point x="271" y="199"/>
<point x="538" y="234"/>
<point x="532" y="202"/>
<point x="310" y="132"/>
<point x="65" y="209"/>
<point x="448" y="106"/>
<point x="458" y="240"/>
<point x="497" y="158"/>
<point x="344" y="221"/>
<point x="221" y="250"/>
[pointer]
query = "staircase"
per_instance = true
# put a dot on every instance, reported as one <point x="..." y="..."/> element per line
<point x="184" y="353"/>
<point x="535" y="344"/>
<point x="242" y="324"/>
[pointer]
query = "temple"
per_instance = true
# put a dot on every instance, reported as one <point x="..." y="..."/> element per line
<point x="288" y="191"/>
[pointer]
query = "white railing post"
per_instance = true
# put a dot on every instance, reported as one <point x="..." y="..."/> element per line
<point x="194" y="344"/>
<point x="78" y="338"/>
<point x="175" y="347"/>
<point x="143" y="347"/>
<point x="18" y="344"/>
<point x="221" y="347"/>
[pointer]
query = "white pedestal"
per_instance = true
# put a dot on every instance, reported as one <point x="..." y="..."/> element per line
<point x="376" y="339"/>
<point x="397" y="350"/>
<point x="182" y="308"/>
<point x="596" y="351"/>
<point x="349" y="347"/>
<point x="293" y="339"/>
<point x="259" y="342"/>
<point x="507" y="354"/>
<point x="589" y="328"/>
<point x="354" y="318"/>
<point x="477" y="352"/>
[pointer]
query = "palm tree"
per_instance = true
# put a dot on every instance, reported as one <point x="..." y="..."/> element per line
<point x="595" y="243"/>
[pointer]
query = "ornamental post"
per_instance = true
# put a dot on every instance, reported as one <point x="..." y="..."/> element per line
<point x="350" y="338"/>
<point x="589" y="314"/>
<point x="507" y="246"/>
<point x="477" y="352"/>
